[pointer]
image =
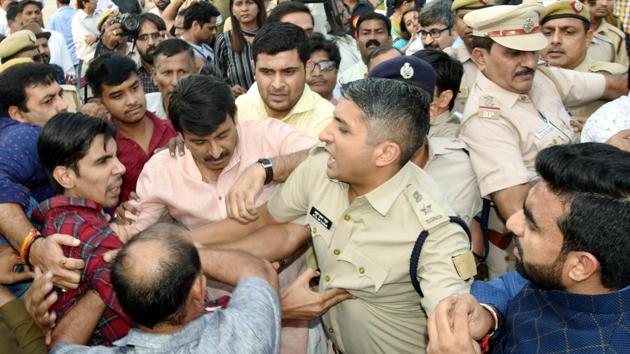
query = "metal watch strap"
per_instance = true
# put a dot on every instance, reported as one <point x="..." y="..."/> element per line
<point x="266" y="164"/>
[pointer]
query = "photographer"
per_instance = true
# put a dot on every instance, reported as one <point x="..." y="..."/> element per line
<point x="115" y="32"/>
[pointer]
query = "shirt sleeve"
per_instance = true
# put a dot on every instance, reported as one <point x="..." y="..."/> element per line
<point x="500" y="291"/>
<point x="19" y="162"/>
<point x="291" y="199"/>
<point x="252" y="319"/>
<point x="495" y="154"/>
<point x="437" y="273"/>
<point x="578" y="88"/>
<point x="283" y="139"/>
<point x="150" y="207"/>
<point x="221" y="54"/>
<point x="29" y="337"/>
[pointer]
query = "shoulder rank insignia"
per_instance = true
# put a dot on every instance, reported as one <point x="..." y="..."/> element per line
<point x="488" y="108"/>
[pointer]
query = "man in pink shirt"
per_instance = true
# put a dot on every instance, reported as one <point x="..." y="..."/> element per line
<point x="191" y="188"/>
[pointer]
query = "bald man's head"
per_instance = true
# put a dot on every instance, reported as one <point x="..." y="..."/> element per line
<point x="153" y="275"/>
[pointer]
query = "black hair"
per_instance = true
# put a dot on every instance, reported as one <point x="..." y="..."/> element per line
<point x="236" y="37"/>
<point x="15" y="80"/>
<point x="199" y="11"/>
<point x="153" y="18"/>
<point x="319" y="42"/>
<point x="173" y="46"/>
<point x="25" y="3"/>
<point x="592" y="180"/>
<point x="199" y="104"/>
<point x="66" y="138"/>
<point x="64" y="2"/>
<point x="13" y="10"/>
<point x="482" y="42"/>
<point x="276" y="37"/>
<point x="109" y="69"/>
<point x="449" y="71"/>
<point x="160" y="295"/>
<point x="285" y="8"/>
<point x="404" y="120"/>
<point x="374" y="16"/>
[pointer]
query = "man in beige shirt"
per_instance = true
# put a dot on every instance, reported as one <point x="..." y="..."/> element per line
<point x="280" y="52"/>
<point x="608" y="43"/>
<point x="461" y="8"/>
<point x="566" y="25"/>
<point x="514" y="110"/>
<point x="365" y="204"/>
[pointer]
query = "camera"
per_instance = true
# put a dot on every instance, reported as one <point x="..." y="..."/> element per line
<point x="129" y="23"/>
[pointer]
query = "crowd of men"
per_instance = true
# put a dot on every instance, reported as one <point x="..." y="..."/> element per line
<point x="342" y="177"/>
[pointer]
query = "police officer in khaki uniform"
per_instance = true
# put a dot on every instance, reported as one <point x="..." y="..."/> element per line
<point x="366" y="205"/>
<point x="566" y="25"/>
<point x="461" y="8"/>
<point x="21" y="44"/>
<point x="514" y="110"/>
<point x="443" y="158"/>
<point x="608" y="43"/>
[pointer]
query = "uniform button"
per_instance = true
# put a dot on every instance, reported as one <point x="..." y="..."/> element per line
<point x="331" y="330"/>
<point x="523" y="97"/>
<point x="314" y="230"/>
<point x="361" y="270"/>
<point x="336" y="252"/>
<point x="346" y="217"/>
<point x="327" y="278"/>
<point x="220" y="198"/>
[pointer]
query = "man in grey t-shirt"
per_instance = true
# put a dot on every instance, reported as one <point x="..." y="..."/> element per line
<point x="159" y="279"/>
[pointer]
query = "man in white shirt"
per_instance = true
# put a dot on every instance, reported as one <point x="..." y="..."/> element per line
<point x="4" y="25"/>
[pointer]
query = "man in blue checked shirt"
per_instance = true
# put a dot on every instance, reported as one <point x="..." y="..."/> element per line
<point x="572" y="289"/>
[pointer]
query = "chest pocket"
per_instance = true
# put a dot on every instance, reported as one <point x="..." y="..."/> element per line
<point x="367" y="273"/>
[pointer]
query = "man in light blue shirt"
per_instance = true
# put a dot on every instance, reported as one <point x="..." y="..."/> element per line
<point x="160" y="280"/>
<point x="61" y="21"/>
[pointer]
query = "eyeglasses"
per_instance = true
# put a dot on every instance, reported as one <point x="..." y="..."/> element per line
<point x="434" y="33"/>
<point x="324" y="65"/>
<point x="154" y="36"/>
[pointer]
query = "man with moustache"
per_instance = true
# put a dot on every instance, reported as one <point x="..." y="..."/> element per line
<point x="78" y="153"/>
<point x="572" y="289"/>
<point x="566" y="25"/>
<point x="114" y="80"/>
<point x="515" y="110"/>
<point x="373" y="30"/>
<point x="461" y="8"/>
<point x="281" y="51"/>
<point x="150" y="33"/>
<point x="160" y="5"/>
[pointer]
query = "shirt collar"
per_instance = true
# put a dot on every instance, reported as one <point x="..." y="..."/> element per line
<point x="191" y="332"/>
<point x="62" y="201"/>
<point x="307" y="102"/>
<point x="382" y="198"/>
<point x="615" y="302"/>
<point x="499" y="93"/>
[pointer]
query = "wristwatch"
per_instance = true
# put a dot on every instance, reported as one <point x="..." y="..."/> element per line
<point x="266" y="164"/>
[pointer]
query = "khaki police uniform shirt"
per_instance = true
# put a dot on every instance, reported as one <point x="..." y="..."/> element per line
<point x="365" y="247"/>
<point x="469" y="77"/>
<point x="608" y="45"/>
<point x="445" y="125"/>
<point x="590" y="66"/>
<point x="504" y="131"/>
<point x="451" y="169"/>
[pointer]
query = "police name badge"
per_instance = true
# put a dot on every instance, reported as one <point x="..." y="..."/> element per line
<point x="320" y="217"/>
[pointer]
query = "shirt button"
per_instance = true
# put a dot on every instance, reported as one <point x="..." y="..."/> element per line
<point x="346" y="217"/>
<point x="327" y="278"/>
<point x="314" y="230"/>
<point x="331" y="330"/>
<point x="220" y="198"/>
<point x="336" y="252"/>
<point x="361" y="270"/>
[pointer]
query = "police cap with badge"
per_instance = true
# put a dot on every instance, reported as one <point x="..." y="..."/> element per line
<point x="408" y="69"/>
<point x="17" y="42"/>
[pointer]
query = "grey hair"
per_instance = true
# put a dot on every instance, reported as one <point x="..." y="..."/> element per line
<point x="437" y="11"/>
<point x="393" y="111"/>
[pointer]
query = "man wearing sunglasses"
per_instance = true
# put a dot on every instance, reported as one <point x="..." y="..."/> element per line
<point x="436" y="25"/>
<point x="322" y="67"/>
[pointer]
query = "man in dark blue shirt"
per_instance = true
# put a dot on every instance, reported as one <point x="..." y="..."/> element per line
<point x="572" y="244"/>
<point x="29" y="97"/>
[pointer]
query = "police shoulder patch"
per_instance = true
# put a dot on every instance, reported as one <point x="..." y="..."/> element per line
<point x="489" y="108"/>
